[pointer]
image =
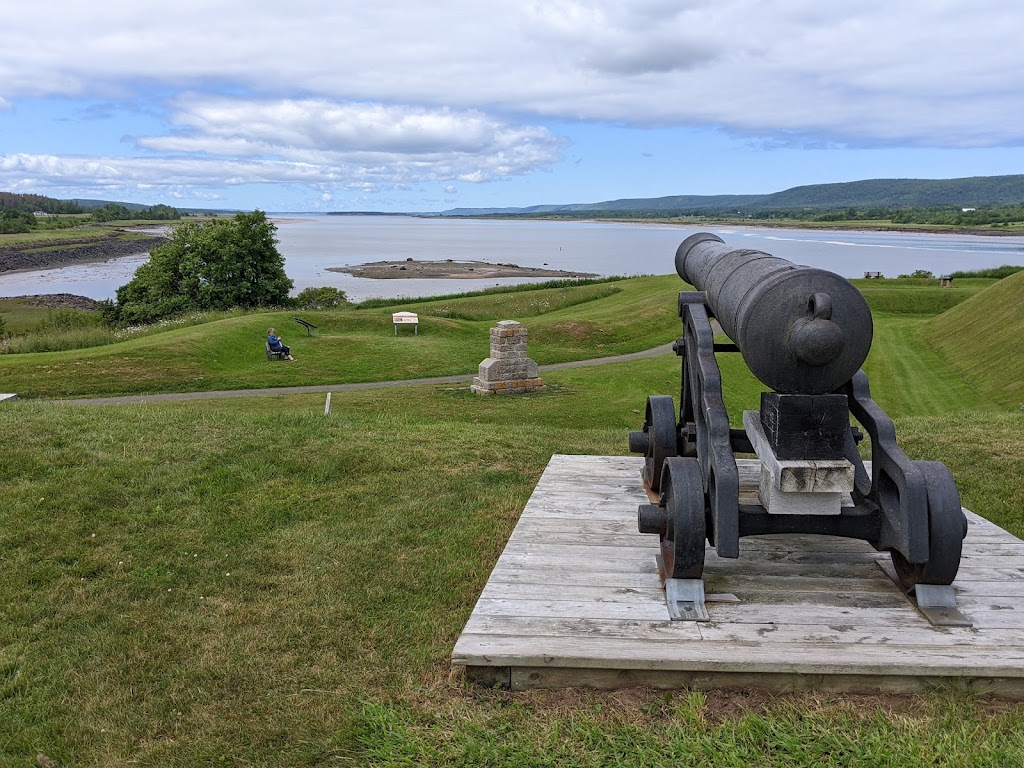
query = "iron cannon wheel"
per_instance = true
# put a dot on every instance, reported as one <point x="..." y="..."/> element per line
<point x="682" y="546"/>
<point x="947" y="527"/>
<point x="660" y="426"/>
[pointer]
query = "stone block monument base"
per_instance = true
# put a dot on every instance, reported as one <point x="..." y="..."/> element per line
<point x="508" y="371"/>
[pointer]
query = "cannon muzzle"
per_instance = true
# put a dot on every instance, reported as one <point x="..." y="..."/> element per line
<point x="800" y="330"/>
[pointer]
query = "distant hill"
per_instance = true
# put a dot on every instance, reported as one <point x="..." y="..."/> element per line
<point x="983" y="339"/>
<point x="89" y="205"/>
<point x="973" y="191"/>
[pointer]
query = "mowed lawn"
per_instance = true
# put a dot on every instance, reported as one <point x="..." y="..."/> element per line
<point x="358" y="344"/>
<point x="251" y="582"/>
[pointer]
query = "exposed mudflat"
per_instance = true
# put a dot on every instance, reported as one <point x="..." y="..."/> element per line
<point x="450" y="270"/>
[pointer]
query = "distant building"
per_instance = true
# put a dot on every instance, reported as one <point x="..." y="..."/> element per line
<point x="968" y="210"/>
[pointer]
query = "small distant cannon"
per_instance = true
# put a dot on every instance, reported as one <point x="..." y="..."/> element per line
<point x="804" y="333"/>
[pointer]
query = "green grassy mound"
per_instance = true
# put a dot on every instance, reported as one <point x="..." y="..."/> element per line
<point x="357" y="345"/>
<point x="983" y="339"/>
<point x="914" y="296"/>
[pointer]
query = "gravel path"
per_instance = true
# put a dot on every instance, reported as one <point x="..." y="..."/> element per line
<point x="461" y="379"/>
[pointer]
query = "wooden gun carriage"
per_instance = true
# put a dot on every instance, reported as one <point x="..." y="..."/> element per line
<point x="804" y="333"/>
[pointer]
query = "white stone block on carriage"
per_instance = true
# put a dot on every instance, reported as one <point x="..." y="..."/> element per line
<point x="797" y="487"/>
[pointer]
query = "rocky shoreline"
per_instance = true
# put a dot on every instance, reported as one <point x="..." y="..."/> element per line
<point x="64" y="252"/>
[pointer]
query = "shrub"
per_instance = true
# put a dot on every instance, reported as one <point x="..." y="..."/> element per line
<point x="59" y="320"/>
<point x="324" y="297"/>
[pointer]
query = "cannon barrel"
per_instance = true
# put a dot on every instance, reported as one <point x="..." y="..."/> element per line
<point x="800" y="330"/>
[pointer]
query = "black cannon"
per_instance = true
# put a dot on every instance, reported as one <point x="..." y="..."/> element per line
<point x="804" y="333"/>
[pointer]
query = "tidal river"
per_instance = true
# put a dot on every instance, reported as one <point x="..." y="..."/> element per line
<point x="310" y="244"/>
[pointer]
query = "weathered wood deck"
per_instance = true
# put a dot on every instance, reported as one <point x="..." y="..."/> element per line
<point x="575" y="600"/>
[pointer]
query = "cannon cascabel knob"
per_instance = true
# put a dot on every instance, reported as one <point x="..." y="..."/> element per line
<point x="817" y="340"/>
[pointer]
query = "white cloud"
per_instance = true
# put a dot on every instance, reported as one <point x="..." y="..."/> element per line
<point x="364" y="147"/>
<point x="916" y="71"/>
<point x="419" y="144"/>
<point x="22" y="170"/>
<point x="347" y="96"/>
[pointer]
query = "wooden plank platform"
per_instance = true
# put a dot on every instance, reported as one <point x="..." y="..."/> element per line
<point x="575" y="601"/>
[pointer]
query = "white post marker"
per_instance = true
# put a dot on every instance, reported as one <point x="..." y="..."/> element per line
<point x="7" y="398"/>
<point x="327" y="405"/>
<point x="406" y="318"/>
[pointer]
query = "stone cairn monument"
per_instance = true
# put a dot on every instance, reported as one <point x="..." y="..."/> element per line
<point x="508" y="370"/>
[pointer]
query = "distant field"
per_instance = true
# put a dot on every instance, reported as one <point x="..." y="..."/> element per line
<point x="85" y="232"/>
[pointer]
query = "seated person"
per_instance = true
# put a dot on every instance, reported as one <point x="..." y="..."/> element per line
<point x="274" y="342"/>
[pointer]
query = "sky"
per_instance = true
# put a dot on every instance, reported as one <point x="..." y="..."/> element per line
<point x="341" y="105"/>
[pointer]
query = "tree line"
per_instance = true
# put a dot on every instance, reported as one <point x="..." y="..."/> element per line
<point x="18" y="213"/>
<point x="932" y="215"/>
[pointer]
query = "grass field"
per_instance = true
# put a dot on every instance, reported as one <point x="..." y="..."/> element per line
<point x="250" y="582"/>
<point x="983" y="340"/>
<point x="84" y="233"/>
<point x="356" y="345"/>
<point x="20" y="316"/>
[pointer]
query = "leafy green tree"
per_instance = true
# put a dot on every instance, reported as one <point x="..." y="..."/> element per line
<point x="324" y="297"/>
<point x="14" y="222"/>
<point x="112" y="212"/>
<point x="218" y="264"/>
<point x="159" y="212"/>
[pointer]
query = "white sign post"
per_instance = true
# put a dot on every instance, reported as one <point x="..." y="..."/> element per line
<point x="406" y="318"/>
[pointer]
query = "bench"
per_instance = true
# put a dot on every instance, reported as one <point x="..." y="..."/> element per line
<point x="271" y="354"/>
<point x="310" y="328"/>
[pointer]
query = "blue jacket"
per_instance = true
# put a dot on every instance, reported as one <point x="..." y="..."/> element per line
<point x="274" y="342"/>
